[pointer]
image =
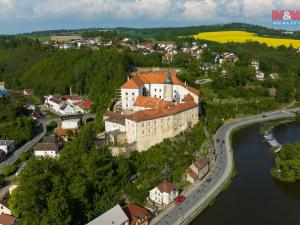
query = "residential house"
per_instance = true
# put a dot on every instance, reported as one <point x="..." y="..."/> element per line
<point x="7" y="220"/>
<point x="64" y="134"/>
<point x="46" y="150"/>
<point x="83" y="106"/>
<point x="137" y="215"/>
<point x="198" y="170"/>
<point x="114" y="216"/>
<point x="67" y="109"/>
<point x="27" y="91"/>
<point x="53" y="102"/>
<point x="255" y="64"/>
<point x="7" y="146"/>
<point x="260" y="75"/>
<point x="4" y="209"/>
<point x="164" y="193"/>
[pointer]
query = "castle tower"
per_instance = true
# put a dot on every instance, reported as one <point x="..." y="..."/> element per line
<point x="168" y="87"/>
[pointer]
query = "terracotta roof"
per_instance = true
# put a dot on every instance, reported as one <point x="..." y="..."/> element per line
<point x="135" y="212"/>
<point x="7" y="219"/>
<point x="46" y="147"/>
<point x="64" y="132"/>
<point x="151" y="114"/>
<point x="188" y="98"/>
<point x="166" y="187"/>
<point x="84" y="104"/>
<point x="117" y="118"/>
<point x="150" y="102"/>
<point x="155" y="77"/>
<point x="28" y="90"/>
<point x="192" y="174"/>
<point x="199" y="164"/>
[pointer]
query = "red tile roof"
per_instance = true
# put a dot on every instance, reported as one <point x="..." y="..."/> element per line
<point x="199" y="164"/>
<point x="64" y="132"/>
<point x="151" y="114"/>
<point x="7" y="219"/>
<point x="166" y="187"/>
<point x="84" y="104"/>
<point x="28" y="90"/>
<point x="135" y="212"/>
<point x="150" y="102"/>
<point x="155" y="77"/>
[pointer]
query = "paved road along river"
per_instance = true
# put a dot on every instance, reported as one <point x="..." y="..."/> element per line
<point x="200" y="195"/>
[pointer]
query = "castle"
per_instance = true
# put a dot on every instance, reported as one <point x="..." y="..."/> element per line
<point x="155" y="105"/>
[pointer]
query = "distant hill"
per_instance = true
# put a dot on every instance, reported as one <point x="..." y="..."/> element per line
<point x="171" y="33"/>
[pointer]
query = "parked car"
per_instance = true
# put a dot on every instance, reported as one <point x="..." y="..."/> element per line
<point x="180" y="199"/>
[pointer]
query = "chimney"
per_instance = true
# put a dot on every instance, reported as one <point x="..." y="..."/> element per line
<point x="185" y="83"/>
<point x="71" y="91"/>
<point x="127" y="78"/>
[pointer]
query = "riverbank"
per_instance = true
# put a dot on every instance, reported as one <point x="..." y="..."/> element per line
<point x="201" y="196"/>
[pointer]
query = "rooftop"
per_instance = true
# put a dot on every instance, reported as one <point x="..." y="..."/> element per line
<point x="7" y="219"/>
<point x="150" y="102"/>
<point x="151" y="114"/>
<point x="114" y="216"/>
<point x="156" y="77"/>
<point x="199" y="164"/>
<point x="6" y="142"/>
<point x="46" y="147"/>
<point x="166" y="187"/>
<point x="135" y="212"/>
<point x="117" y="118"/>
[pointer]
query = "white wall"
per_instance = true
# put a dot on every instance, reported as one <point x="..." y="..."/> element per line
<point x="51" y="154"/>
<point x="70" y="124"/>
<point x="162" y="198"/>
<point x="129" y="96"/>
<point x="157" y="91"/>
<point x="5" y="210"/>
<point x="110" y="126"/>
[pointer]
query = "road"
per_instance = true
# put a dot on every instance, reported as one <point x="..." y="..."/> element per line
<point x="24" y="148"/>
<point x="201" y="194"/>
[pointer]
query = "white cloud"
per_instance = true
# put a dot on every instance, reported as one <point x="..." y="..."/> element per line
<point x="199" y="10"/>
<point x="6" y="6"/>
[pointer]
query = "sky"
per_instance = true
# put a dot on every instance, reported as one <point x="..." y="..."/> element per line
<point x="19" y="16"/>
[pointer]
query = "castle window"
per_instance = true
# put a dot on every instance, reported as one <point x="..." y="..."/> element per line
<point x="126" y="93"/>
<point x="132" y="93"/>
<point x="159" y="90"/>
<point x="155" y="96"/>
<point x="155" y="89"/>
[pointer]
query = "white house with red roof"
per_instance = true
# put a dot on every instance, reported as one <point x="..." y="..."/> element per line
<point x="164" y="193"/>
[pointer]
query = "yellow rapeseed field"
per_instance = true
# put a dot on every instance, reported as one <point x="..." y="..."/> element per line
<point x="243" y="36"/>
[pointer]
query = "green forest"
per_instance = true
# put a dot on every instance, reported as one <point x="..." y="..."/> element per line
<point x="287" y="163"/>
<point x="85" y="182"/>
<point x="15" y="123"/>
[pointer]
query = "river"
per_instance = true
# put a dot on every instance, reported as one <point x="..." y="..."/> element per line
<point x="254" y="197"/>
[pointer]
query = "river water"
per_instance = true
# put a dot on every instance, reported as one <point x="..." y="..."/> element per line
<point x="254" y="197"/>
